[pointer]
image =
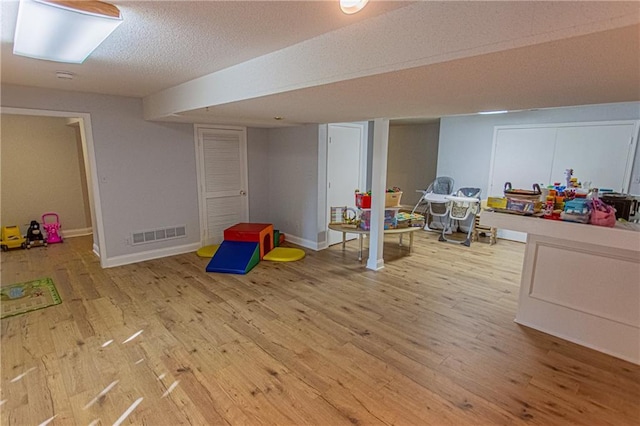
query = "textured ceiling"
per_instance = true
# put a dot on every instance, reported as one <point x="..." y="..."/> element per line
<point x="553" y="74"/>
<point x="246" y="62"/>
<point x="164" y="43"/>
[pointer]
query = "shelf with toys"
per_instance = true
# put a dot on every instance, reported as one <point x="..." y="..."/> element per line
<point x="357" y="220"/>
<point x="393" y="216"/>
<point x="569" y="202"/>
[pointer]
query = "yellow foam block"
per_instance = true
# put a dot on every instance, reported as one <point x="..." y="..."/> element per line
<point x="284" y="254"/>
<point x="207" y="251"/>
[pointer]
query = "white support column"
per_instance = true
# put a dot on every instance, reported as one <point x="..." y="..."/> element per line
<point x="378" y="188"/>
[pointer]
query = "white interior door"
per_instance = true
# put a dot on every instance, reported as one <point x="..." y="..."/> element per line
<point x="345" y="151"/>
<point x="222" y="180"/>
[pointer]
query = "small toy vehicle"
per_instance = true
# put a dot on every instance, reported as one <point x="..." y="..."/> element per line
<point x="12" y="238"/>
<point x="34" y="235"/>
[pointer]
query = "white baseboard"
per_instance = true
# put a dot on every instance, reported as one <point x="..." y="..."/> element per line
<point x="302" y="242"/>
<point x="375" y="264"/>
<point x="70" y="233"/>
<point x="506" y="234"/>
<point x="149" y="255"/>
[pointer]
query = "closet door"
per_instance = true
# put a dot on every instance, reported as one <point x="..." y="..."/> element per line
<point x="222" y="176"/>
<point x="600" y="154"/>
<point x="522" y="157"/>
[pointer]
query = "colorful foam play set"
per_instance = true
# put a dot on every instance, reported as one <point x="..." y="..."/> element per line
<point x="244" y="246"/>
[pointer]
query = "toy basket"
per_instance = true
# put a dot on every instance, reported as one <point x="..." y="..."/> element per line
<point x="602" y="214"/>
<point x="392" y="199"/>
<point x="363" y="200"/>
<point x="522" y="194"/>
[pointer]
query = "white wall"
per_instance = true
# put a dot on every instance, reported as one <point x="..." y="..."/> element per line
<point x="466" y="142"/>
<point x="146" y="170"/>
<point x="413" y="157"/>
<point x="293" y="182"/>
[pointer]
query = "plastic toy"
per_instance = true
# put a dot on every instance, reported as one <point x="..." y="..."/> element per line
<point x="12" y="238"/>
<point x="208" y="251"/>
<point x="261" y="233"/>
<point x="284" y="254"/>
<point x="52" y="228"/>
<point x="235" y="257"/>
<point x="34" y="235"/>
<point x="245" y="245"/>
<point x="344" y="216"/>
<point x="567" y="175"/>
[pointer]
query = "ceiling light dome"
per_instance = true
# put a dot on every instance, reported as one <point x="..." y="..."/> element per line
<point x="352" y="6"/>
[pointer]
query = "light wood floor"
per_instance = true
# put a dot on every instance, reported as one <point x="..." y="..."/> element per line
<point x="429" y="340"/>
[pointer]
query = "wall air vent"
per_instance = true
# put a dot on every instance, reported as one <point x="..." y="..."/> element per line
<point x="162" y="234"/>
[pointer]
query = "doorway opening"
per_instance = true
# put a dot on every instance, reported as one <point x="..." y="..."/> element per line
<point x="346" y="169"/>
<point x="86" y="217"/>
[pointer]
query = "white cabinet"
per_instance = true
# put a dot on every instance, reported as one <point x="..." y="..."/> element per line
<point x="579" y="282"/>
<point x="599" y="152"/>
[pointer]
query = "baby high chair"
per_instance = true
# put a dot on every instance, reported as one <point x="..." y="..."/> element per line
<point x="462" y="206"/>
<point x="432" y="203"/>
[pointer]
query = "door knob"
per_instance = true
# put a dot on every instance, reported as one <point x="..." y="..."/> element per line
<point x="243" y="192"/>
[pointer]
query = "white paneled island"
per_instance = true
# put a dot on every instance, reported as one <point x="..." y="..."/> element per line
<point x="579" y="282"/>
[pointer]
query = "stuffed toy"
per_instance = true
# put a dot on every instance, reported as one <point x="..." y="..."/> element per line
<point x="34" y="235"/>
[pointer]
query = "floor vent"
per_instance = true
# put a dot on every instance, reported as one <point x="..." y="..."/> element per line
<point x="162" y="234"/>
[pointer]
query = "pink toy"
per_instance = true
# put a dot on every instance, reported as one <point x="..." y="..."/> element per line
<point x="52" y="228"/>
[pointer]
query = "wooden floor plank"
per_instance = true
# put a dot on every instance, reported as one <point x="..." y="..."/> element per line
<point x="430" y="339"/>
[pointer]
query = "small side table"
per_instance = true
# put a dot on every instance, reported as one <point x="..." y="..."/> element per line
<point x="492" y="233"/>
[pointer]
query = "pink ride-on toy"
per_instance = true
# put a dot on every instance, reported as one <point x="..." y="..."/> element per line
<point x="52" y="228"/>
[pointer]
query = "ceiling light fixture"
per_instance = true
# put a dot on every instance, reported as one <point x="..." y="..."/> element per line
<point x="63" y="30"/>
<point x="503" y="111"/>
<point x="352" y="6"/>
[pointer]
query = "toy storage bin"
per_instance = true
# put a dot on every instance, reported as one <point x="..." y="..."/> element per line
<point x="576" y="211"/>
<point x="524" y="206"/>
<point x="363" y="200"/>
<point x="392" y="199"/>
<point x="406" y="220"/>
<point x="623" y="204"/>
<point x="497" y="202"/>
<point x="390" y="220"/>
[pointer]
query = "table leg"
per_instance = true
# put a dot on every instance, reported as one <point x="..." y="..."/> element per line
<point x="410" y="242"/>
<point x="344" y="240"/>
<point x="400" y="240"/>
<point x="360" y="253"/>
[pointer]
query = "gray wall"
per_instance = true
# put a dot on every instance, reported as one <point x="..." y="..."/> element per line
<point x="466" y="142"/>
<point x="293" y="181"/>
<point x="259" y="166"/>
<point x="413" y="157"/>
<point x="146" y="170"/>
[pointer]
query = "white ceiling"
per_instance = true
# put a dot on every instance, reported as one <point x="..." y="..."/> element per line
<point x="234" y="62"/>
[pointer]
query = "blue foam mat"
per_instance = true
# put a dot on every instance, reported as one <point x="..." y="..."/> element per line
<point x="234" y="257"/>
